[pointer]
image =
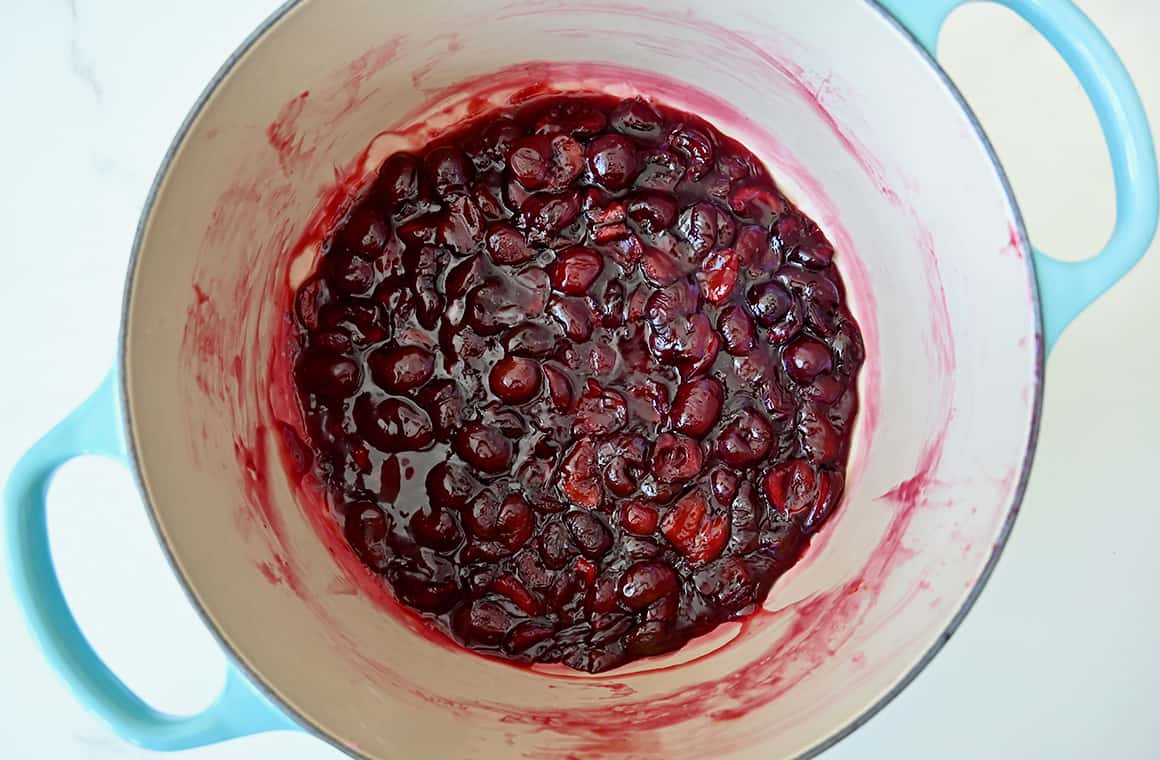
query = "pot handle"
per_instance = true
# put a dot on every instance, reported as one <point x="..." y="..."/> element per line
<point x="1067" y="287"/>
<point x="94" y="428"/>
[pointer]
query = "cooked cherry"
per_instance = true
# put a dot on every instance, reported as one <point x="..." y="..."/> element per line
<point x="515" y="379"/>
<point x="650" y="638"/>
<point x="746" y="513"/>
<point x="755" y="201"/>
<point x="556" y="546"/>
<point x="444" y="402"/>
<point x="589" y="532"/>
<point x="660" y="170"/>
<point x="530" y="161"/>
<point x="515" y="523"/>
<point x="450" y="485"/>
<point x="729" y="583"/>
<point x="511" y="587"/>
<point x="402" y="368"/>
<point x="813" y="287"/>
<point x="560" y="388"/>
<point x="639" y="517"/>
<point x="582" y="377"/>
<point x="663" y="610"/>
<point x="700" y="225"/>
<point x="333" y="341"/>
<point x="746" y="440"/>
<point x="696" y="146"/>
<point x="579" y="477"/>
<point x="505" y="419"/>
<point x="449" y="169"/>
<point x="464" y="276"/>
<point x="419" y="230"/>
<point x="482" y="514"/>
<point x="484" y="448"/>
<point x="815" y="252"/>
<point x="652" y="211"/>
<point x="488" y="196"/>
<point x="543" y="216"/>
<point x="612" y="159"/>
<point x="462" y="226"/>
<point x="366" y="529"/>
<point x="491" y="308"/>
<point x="398" y="178"/>
<point x="348" y="272"/>
<point x="696" y="534"/>
<point x="601" y="410"/>
<point x="620" y="477"/>
<point x="575" y="269"/>
<point x="660" y="268"/>
<point x="646" y="582"/>
<point x="736" y="328"/>
<point x="718" y="275"/>
<point x="574" y="316"/>
<point x="770" y="302"/>
<point x="676" y="301"/>
<point x="825" y="389"/>
<point x="540" y="162"/>
<point x="697" y="406"/>
<point x="529" y="633"/>
<point x="531" y="339"/>
<point x="830" y="487"/>
<point x="752" y="247"/>
<point x="436" y="528"/>
<point x="820" y="440"/>
<point x="482" y="622"/>
<point x="724" y="484"/>
<point x="637" y="119"/>
<point x="791" y="487"/>
<point x="312" y="296"/>
<point x="789" y="326"/>
<point x="495" y="142"/>
<point x="365" y="232"/>
<point x="327" y="374"/>
<point x="676" y="458"/>
<point x="611" y="304"/>
<point x="506" y="245"/>
<point x="847" y="346"/>
<point x="425" y="594"/>
<point x="805" y="359"/>
<point x="393" y="425"/>
<point x="690" y="339"/>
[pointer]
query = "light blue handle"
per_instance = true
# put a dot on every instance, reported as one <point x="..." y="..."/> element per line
<point x="1067" y="288"/>
<point x="95" y="428"/>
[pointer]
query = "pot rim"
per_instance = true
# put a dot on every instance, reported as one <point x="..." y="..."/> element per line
<point x="260" y="682"/>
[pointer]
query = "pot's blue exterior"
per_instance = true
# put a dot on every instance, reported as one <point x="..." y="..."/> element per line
<point x="96" y="427"/>
<point x="1066" y="288"/>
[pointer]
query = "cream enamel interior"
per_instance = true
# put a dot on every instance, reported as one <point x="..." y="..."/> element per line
<point x="919" y="214"/>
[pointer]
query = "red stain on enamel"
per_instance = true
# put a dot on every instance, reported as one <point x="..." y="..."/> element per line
<point x="1014" y="246"/>
<point x="285" y="137"/>
<point x="342" y="587"/>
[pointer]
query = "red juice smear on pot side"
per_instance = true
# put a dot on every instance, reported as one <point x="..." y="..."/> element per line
<point x="578" y="380"/>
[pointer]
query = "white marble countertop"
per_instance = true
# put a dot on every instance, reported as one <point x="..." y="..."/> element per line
<point x="1057" y="660"/>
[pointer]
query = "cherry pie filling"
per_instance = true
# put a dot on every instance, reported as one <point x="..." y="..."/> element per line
<point x="578" y="379"/>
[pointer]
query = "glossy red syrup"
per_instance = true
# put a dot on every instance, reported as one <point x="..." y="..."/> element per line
<point x="579" y="380"/>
